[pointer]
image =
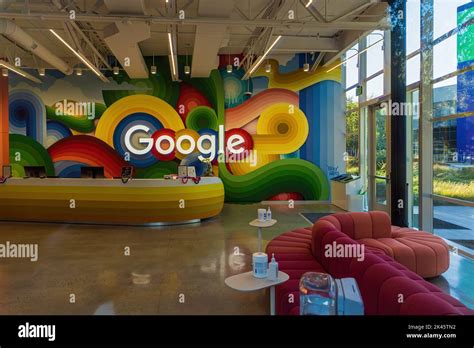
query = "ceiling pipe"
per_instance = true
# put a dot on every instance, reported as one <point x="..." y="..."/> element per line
<point x="18" y="35"/>
<point x="282" y="24"/>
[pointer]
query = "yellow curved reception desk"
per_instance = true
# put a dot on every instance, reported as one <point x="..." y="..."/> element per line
<point x="140" y="201"/>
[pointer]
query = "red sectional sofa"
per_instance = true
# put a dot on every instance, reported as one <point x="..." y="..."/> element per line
<point x="387" y="287"/>
<point x="421" y="252"/>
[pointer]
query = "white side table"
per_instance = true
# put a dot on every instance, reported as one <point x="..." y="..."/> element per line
<point x="260" y="225"/>
<point x="247" y="282"/>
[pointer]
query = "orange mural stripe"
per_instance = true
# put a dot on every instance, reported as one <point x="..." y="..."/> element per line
<point x="4" y="143"/>
<point x="248" y="111"/>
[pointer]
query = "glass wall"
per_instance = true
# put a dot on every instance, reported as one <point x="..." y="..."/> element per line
<point x="450" y="115"/>
<point x="364" y="83"/>
<point x="453" y="129"/>
<point x="445" y="123"/>
<point x="352" y="111"/>
<point x="413" y="148"/>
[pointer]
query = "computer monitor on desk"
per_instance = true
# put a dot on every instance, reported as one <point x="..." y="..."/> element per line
<point x="35" y="172"/>
<point x="92" y="172"/>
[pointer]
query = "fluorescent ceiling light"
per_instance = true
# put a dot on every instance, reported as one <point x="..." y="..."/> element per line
<point x="19" y="71"/>
<point x="172" y="54"/>
<point x="259" y="60"/>
<point x="309" y="3"/>
<point x="81" y="57"/>
<point x="355" y="55"/>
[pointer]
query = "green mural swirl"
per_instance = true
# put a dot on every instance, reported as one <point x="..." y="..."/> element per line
<point x="79" y="123"/>
<point x="25" y="151"/>
<point x="286" y="175"/>
<point x="202" y="117"/>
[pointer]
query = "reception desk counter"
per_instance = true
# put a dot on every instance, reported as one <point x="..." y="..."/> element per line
<point x="140" y="201"/>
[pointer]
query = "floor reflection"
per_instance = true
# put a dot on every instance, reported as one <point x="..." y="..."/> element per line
<point x="164" y="265"/>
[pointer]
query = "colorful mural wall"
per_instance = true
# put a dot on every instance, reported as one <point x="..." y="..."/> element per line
<point x="69" y="122"/>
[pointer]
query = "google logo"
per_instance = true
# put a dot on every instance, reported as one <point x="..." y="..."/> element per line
<point x="165" y="144"/>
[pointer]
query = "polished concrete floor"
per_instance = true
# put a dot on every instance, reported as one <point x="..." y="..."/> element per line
<point x="95" y="269"/>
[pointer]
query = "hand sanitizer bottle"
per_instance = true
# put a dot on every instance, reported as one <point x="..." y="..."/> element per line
<point x="269" y="214"/>
<point x="273" y="269"/>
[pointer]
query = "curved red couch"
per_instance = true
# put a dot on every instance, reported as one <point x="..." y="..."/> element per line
<point x="421" y="252"/>
<point x="387" y="287"/>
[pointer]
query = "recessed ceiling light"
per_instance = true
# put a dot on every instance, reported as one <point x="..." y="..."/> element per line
<point x="17" y="70"/>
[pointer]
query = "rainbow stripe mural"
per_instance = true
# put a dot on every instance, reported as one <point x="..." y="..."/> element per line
<point x="270" y="120"/>
<point x="26" y="113"/>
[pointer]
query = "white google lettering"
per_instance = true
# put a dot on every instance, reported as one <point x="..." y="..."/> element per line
<point x="147" y="141"/>
<point x="210" y="150"/>
<point x="159" y="140"/>
<point x="231" y="143"/>
<point x="179" y="144"/>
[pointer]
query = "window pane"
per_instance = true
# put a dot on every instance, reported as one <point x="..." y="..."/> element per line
<point x="453" y="158"/>
<point x="381" y="191"/>
<point x="374" y="53"/>
<point x="352" y="68"/>
<point x="352" y="101"/>
<point x="444" y="97"/>
<point x="445" y="57"/>
<point x="445" y="15"/>
<point x="381" y="144"/>
<point x="375" y="87"/>
<point x="454" y="222"/>
<point x="352" y="143"/>
<point x="413" y="69"/>
<point x="414" y="145"/>
<point x="413" y="25"/>
<point x="454" y="95"/>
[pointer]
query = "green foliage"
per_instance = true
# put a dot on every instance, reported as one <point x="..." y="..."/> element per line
<point x="449" y="182"/>
<point x="352" y="138"/>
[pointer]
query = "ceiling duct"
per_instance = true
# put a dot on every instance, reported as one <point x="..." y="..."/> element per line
<point x="122" y="38"/>
<point x="18" y="35"/>
<point x="209" y="37"/>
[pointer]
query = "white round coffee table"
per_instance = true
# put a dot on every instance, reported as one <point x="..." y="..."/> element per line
<point x="247" y="282"/>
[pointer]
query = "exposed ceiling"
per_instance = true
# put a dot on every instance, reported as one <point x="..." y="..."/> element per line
<point x="105" y="30"/>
